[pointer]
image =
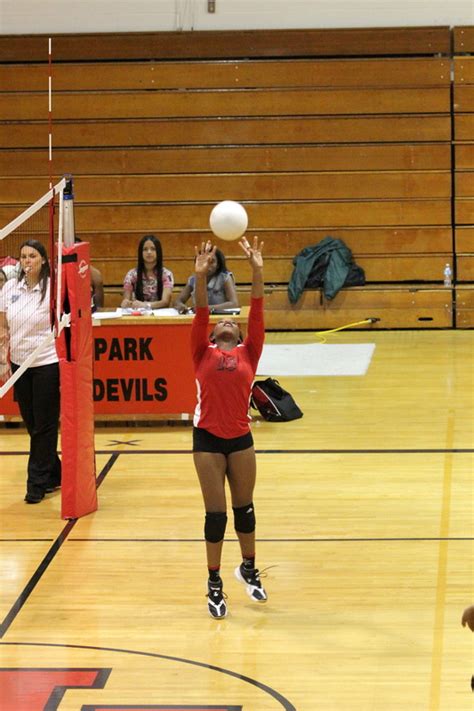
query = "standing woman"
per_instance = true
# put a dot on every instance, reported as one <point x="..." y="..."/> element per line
<point x="25" y="318"/>
<point x="149" y="284"/>
<point x="225" y="368"/>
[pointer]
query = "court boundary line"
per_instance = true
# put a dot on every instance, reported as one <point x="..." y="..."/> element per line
<point x="277" y="540"/>
<point x="26" y="540"/>
<point x="48" y="558"/>
<point x="456" y="450"/>
<point x="437" y="651"/>
<point x="367" y="539"/>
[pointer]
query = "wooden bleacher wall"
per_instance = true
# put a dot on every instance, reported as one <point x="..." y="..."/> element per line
<point x="317" y="132"/>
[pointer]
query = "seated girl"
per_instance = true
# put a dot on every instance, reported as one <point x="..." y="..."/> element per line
<point x="149" y="284"/>
<point x="221" y="293"/>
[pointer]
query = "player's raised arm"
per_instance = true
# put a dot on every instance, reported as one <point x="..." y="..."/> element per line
<point x="201" y="266"/>
<point x="254" y="255"/>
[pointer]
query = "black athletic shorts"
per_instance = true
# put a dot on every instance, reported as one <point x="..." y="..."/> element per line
<point x="204" y="441"/>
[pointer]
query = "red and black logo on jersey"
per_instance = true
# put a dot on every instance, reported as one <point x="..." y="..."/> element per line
<point x="227" y="362"/>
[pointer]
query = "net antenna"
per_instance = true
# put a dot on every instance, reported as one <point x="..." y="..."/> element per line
<point x="44" y="222"/>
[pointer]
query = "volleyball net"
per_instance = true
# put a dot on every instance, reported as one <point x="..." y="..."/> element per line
<point x="42" y="225"/>
<point x="57" y="321"/>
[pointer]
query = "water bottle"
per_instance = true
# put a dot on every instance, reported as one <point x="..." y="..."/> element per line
<point x="448" y="276"/>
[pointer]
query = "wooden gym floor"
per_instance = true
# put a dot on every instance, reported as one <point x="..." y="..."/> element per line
<point x="365" y="520"/>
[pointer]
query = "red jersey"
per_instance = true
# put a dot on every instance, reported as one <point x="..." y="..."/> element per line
<point x="224" y="378"/>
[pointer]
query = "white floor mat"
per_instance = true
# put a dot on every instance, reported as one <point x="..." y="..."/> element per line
<point x="315" y="359"/>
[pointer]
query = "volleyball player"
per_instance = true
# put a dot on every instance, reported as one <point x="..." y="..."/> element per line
<point x="468" y="618"/>
<point x="225" y="367"/>
<point x="25" y="318"/>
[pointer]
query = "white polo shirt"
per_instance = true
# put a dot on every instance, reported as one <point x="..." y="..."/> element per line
<point x="28" y="321"/>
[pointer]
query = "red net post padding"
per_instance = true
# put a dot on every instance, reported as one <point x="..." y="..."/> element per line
<point x="79" y="495"/>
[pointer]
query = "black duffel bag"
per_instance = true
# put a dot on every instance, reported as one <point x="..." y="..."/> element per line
<point x="273" y="402"/>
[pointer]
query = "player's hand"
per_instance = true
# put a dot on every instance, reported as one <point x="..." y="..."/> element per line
<point x="203" y="257"/>
<point x="253" y="253"/>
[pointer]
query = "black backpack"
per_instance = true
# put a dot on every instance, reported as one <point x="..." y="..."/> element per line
<point x="273" y="402"/>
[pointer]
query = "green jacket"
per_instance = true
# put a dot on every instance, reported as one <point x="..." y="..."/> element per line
<point x="330" y="251"/>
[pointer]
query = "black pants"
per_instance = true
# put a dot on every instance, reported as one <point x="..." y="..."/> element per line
<point x="37" y="393"/>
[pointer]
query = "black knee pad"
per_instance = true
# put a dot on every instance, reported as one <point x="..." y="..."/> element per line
<point x="244" y="518"/>
<point x="214" y="528"/>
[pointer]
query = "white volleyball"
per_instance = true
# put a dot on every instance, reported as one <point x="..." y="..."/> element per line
<point x="228" y="220"/>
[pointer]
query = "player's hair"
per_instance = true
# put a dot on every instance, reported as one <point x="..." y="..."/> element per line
<point x="45" y="268"/>
<point x="141" y="267"/>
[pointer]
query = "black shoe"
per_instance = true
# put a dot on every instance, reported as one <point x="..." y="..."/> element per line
<point x="251" y="580"/>
<point x="52" y="487"/>
<point x="34" y="498"/>
<point x="216" y="599"/>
